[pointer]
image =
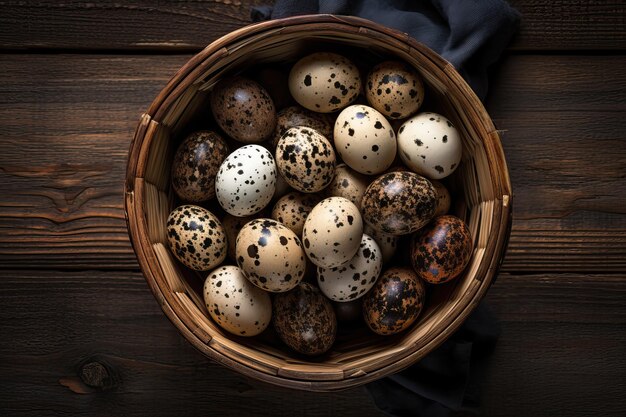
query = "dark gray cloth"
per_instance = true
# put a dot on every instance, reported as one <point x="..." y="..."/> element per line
<point x="471" y="34"/>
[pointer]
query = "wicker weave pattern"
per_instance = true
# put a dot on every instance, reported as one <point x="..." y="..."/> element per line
<point x="481" y="185"/>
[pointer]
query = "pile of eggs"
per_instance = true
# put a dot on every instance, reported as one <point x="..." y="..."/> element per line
<point x="316" y="198"/>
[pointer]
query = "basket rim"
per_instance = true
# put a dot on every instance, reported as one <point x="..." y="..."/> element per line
<point x="133" y="207"/>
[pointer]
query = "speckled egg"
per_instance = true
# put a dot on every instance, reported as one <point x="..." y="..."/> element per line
<point x="394" y="89"/>
<point x="324" y="82"/>
<point x="305" y="159"/>
<point x="430" y="145"/>
<point x="386" y="242"/>
<point x="399" y="203"/>
<point x="196" y="237"/>
<point x="293" y="209"/>
<point x="270" y="255"/>
<point x="364" y="139"/>
<point x="349" y="311"/>
<point x="305" y="320"/>
<point x="441" y="250"/>
<point x="296" y="116"/>
<point x="348" y="184"/>
<point x="443" y="198"/>
<point x="235" y="304"/>
<point x="243" y="109"/>
<point x="282" y="187"/>
<point x="246" y="180"/>
<point x="353" y="279"/>
<point x="332" y="232"/>
<point x="195" y="165"/>
<point x="395" y="301"/>
<point x="232" y="225"/>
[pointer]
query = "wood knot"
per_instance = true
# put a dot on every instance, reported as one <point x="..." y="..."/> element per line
<point x="97" y="375"/>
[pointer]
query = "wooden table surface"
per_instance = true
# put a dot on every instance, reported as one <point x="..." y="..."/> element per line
<point x="74" y="307"/>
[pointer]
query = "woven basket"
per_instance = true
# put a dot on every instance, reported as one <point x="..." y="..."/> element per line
<point x="481" y="187"/>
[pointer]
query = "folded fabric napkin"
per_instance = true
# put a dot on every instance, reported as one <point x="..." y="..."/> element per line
<point x="471" y="34"/>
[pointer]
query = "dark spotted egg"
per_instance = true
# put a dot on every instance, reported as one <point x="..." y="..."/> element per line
<point x="348" y="184"/>
<point x="243" y="109"/>
<point x="196" y="237"/>
<point x="394" y="89"/>
<point x="364" y="139"/>
<point x="305" y="159"/>
<point x="399" y="203"/>
<point x="295" y="116"/>
<point x="305" y="320"/>
<point x="332" y="232"/>
<point x="353" y="279"/>
<point x="232" y="225"/>
<point x="235" y="304"/>
<point x="195" y="165"/>
<point x="430" y="145"/>
<point x="324" y="82"/>
<point x="246" y="180"/>
<point x="293" y="209"/>
<point x="270" y="255"/>
<point x="443" y="198"/>
<point x="395" y="301"/>
<point x="386" y="242"/>
<point x="442" y="249"/>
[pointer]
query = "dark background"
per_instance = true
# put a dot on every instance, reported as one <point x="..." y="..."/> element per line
<point x="81" y="334"/>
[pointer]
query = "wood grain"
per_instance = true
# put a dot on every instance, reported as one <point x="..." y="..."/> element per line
<point x="187" y="26"/>
<point x="66" y="325"/>
<point x="66" y="123"/>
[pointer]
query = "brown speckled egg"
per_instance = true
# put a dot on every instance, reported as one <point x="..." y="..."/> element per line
<point x="387" y="243"/>
<point x="232" y="225"/>
<point x="364" y="139"/>
<point x="305" y="159"/>
<point x="395" y="301"/>
<point x="442" y="249"/>
<point x="196" y="237"/>
<point x="305" y="320"/>
<point x="332" y="232"/>
<point x="243" y="109"/>
<point x="443" y="198"/>
<point x="270" y="255"/>
<point x="399" y="203"/>
<point x="235" y="304"/>
<point x="195" y="165"/>
<point x="349" y="311"/>
<point x="293" y="209"/>
<point x="295" y="116"/>
<point x="347" y="184"/>
<point x="324" y="82"/>
<point x="394" y="89"/>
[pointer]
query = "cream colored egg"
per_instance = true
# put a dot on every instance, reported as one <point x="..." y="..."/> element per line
<point x="305" y="159"/>
<point x="364" y="139"/>
<point x="348" y="184"/>
<point x="235" y="304"/>
<point x="430" y="145"/>
<point x="196" y="237"/>
<point x="386" y="242"/>
<point x="395" y="89"/>
<point x="293" y="209"/>
<point x="353" y="279"/>
<point x="332" y="232"/>
<point x="270" y="255"/>
<point x="324" y="82"/>
<point x="246" y="181"/>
